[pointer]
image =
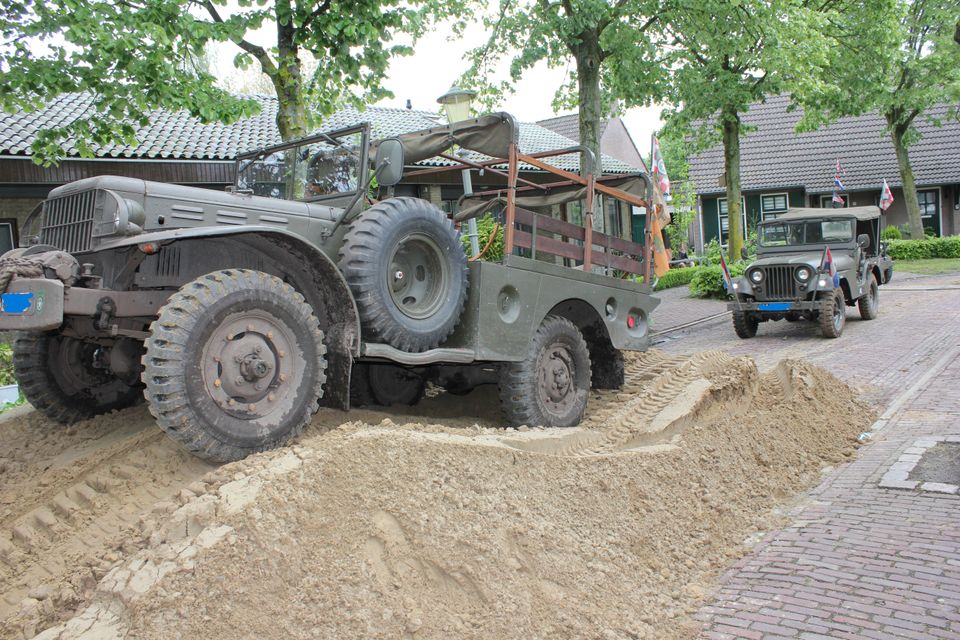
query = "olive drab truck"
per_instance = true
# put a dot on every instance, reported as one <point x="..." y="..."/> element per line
<point x="236" y="314"/>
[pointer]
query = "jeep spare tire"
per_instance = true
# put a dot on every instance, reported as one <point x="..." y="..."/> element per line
<point x="408" y="273"/>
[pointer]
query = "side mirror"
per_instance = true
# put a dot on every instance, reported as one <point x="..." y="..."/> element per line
<point x="883" y="248"/>
<point x="388" y="165"/>
<point x="863" y="241"/>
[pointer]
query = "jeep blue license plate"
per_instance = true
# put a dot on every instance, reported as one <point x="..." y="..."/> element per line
<point x="19" y="304"/>
<point x="774" y="306"/>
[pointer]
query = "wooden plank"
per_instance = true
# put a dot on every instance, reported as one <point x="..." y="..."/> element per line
<point x="547" y="223"/>
<point x="619" y="244"/>
<point x="548" y="245"/>
<point x="510" y="219"/>
<point x="621" y="263"/>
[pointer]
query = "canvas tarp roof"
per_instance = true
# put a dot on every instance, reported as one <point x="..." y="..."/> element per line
<point x="860" y="213"/>
<point x="474" y="207"/>
<point x="489" y="134"/>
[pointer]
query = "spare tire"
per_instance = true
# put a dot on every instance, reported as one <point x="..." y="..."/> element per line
<point x="408" y="273"/>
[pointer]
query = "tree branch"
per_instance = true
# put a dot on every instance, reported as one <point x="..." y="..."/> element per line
<point x="319" y="11"/>
<point x="256" y="51"/>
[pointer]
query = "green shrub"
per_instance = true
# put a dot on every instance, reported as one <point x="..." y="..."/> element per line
<point x="948" y="247"/>
<point x="708" y="281"/>
<point x="6" y="365"/>
<point x="485" y="226"/>
<point x="712" y="251"/>
<point x="675" y="277"/>
<point x="891" y="232"/>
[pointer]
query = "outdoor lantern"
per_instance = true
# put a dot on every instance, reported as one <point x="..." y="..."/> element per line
<point x="456" y="103"/>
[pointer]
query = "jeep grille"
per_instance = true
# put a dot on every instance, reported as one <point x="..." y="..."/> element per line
<point x="779" y="283"/>
<point x="68" y="222"/>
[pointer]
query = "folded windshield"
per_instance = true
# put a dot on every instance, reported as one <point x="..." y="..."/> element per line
<point x="785" y="234"/>
<point x="310" y="171"/>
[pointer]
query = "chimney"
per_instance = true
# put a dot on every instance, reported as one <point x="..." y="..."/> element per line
<point x="409" y="104"/>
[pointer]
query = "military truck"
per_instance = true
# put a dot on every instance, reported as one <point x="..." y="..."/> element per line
<point x="795" y="276"/>
<point x="236" y="314"/>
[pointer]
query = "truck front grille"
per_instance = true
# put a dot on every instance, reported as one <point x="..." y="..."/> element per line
<point x="68" y="222"/>
<point x="779" y="283"/>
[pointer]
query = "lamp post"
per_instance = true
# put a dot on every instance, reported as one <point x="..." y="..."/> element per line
<point x="456" y="103"/>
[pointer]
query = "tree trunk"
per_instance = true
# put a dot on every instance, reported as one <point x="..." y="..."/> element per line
<point x="909" y="186"/>
<point x="588" y="56"/>
<point x="730" y="120"/>
<point x="292" y="117"/>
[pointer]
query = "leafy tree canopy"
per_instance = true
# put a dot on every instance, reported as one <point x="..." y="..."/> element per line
<point x="135" y="56"/>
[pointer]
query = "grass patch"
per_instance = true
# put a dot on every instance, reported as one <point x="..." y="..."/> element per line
<point x="930" y="266"/>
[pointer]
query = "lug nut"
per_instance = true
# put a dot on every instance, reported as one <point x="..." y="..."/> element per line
<point x="282" y="354"/>
<point x="217" y="383"/>
<point x="229" y="336"/>
<point x="238" y="359"/>
<point x="231" y="402"/>
<point x="283" y="377"/>
<point x="270" y="335"/>
<point x="239" y="380"/>
<point x="249" y="327"/>
<point x="257" y="349"/>
<point x="252" y="407"/>
<point x="271" y="397"/>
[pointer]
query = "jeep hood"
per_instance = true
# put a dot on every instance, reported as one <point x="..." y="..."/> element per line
<point x="810" y="258"/>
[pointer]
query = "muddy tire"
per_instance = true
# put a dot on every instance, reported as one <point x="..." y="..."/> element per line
<point x="549" y="386"/>
<point x="408" y="273"/>
<point x="57" y="376"/>
<point x="869" y="303"/>
<point x="833" y="315"/>
<point x="745" y="325"/>
<point x="235" y="364"/>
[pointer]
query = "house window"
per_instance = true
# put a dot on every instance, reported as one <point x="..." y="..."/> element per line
<point x="725" y="223"/>
<point x="772" y="205"/>
<point x="928" y="203"/>
<point x="826" y="202"/>
<point x="612" y="222"/>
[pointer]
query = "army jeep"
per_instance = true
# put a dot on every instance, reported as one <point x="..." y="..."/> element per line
<point x="236" y="314"/>
<point x="793" y="277"/>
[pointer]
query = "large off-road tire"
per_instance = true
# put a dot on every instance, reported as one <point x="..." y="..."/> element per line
<point x="549" y="386"/>
<point x="408" y="273"/>
<point x="745" y="324"/>
<point x="869" y="303"/>
<point x="833" y="314"/>
<point x="234" y="365"/>
<point x="57" y="376"/>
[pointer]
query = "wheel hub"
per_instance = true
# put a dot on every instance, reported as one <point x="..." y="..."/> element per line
<point x="417" y="277"/>
<point x="246" y="364"/>
<point x="556" y="378"/>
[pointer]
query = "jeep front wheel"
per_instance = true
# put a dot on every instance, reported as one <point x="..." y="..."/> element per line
<point x="235" y="364"/>
<point x="833" y="314"/>
<point x="549" y="387"/>
<point x="745" y="324"/>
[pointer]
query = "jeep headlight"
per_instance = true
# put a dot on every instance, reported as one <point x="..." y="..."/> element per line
<point x="803" y="274"/>
<point x="756" y="276"/>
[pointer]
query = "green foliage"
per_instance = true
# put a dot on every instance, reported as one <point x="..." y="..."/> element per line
<point x="485" y="226"/>
<point x="708" y="281"/>
<point x="6" y="364"/>
<point x="929" y="266"/>
<point x="948" y="247"/>
<point x="712" y="251"/>
<point x="891" y="232"/>
<point x="675" y="278"/>
<point x="134" y="57"/>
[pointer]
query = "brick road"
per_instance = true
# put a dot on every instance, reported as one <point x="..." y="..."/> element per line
<point x="857" y="560"/>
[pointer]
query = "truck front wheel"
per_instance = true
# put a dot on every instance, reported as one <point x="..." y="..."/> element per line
<point x="745" y="324"/>
<point x="549" y="387"/>
<point x="60" y="377"/>
<point x="235" y="364"/>
<point x="833" y="314"/>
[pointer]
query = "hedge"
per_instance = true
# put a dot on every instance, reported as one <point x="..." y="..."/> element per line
<point x="948" y="247"/>
<point x="708" y="281"/>
<point x="676" y="277"/>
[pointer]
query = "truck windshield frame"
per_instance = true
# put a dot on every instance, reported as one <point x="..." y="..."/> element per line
<point x="794" y="233"/>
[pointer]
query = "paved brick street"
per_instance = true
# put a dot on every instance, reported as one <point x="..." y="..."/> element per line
<point x="858" y="560"/>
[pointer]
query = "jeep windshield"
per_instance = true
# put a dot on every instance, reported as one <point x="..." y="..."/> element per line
<point x="326" y="165"/>
<point x="804" y="232"/>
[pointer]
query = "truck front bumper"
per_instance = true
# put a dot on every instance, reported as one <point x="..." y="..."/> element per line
<point x="775" y="307"/>
<point x="39" y="304"/>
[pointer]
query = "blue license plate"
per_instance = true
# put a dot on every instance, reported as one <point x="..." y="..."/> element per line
<point x="775" y="306"/>
<point x="18" y="304"/>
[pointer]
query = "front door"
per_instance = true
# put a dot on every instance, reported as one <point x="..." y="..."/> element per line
<point x="930" y="209"/>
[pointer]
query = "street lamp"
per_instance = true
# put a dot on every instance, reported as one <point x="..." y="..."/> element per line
<point x="456" y="103"/>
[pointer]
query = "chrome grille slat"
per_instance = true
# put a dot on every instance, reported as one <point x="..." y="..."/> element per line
<point x="68" y="222"/>
<point x="780" y="284"/>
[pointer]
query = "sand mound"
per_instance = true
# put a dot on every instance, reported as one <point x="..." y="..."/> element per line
<point x="386" y="528"/>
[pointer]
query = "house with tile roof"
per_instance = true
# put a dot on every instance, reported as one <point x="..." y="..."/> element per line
<point x="177" y="148"/>
<point x="781" y="168"/>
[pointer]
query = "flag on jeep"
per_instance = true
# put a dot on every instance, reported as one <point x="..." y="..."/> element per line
<point x="658" y="168"/>
<point x="827" y="266"/>
<point x="886" y="196"/>
<point x="727" y="280"/>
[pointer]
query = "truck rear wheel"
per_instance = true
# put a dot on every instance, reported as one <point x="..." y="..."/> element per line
<point x="235" y="364"/>
<point x="58" y="376"/>
<point x="833" y="314"/>
<point x="549" y="387"/>
<point x="408" y="273"/>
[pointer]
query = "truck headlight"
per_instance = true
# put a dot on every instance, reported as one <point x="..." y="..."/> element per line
<point x="803" y="274"/>
<point x="756" y="276"/>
